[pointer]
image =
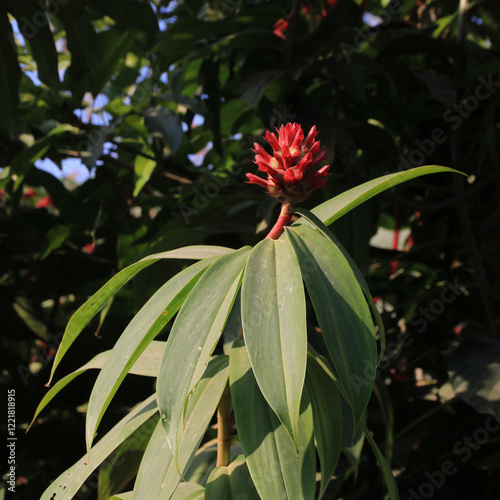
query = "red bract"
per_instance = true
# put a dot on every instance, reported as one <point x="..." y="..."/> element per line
<point x="290" y="169"/>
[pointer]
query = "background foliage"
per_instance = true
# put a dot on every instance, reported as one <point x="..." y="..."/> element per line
<point x="157" y="105"/>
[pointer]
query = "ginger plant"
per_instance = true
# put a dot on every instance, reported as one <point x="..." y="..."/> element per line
<point x="285" y="396"/>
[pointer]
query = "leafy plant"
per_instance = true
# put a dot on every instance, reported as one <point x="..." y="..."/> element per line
<point x="242" y="343"/>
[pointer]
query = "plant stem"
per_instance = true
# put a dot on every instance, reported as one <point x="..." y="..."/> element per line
<point x="224" y="425"/>
<point x="286" y="214"/>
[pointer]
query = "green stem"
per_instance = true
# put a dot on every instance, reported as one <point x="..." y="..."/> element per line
<point x="224" y="426"/>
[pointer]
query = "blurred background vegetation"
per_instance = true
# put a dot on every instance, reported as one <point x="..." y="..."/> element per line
<point x="126" y="128"/>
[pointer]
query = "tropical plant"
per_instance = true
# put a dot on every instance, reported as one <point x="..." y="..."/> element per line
<point x="126" y="129"/>
<point x="296" y="370"/>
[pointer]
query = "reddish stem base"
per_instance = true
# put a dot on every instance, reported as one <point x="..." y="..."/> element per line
<point x="286" y="214"/>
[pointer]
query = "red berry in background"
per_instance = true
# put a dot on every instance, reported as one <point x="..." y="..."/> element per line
<point x="44" y="202"/>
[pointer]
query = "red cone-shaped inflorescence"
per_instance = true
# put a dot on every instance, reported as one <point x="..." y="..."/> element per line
<point x="290" y="169"/>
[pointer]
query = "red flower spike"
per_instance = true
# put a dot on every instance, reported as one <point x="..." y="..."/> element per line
<point x="290" y="169"/>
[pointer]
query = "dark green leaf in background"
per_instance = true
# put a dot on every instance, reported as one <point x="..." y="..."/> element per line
<point x="231" y="482"/>
<point x="10" y="75"/>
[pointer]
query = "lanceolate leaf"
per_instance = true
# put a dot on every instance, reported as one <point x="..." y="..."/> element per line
<point x="158" y="474"/>
<point x="231" y="483"/>
<point x="327" y="413"/>
<point x="87" y="311"/>
<point x="147" y="365"/>
<point x="41" y="39"/>
<point x="273" y="313"/>
<point x="66" y="486"/>
<point x="143" y="328"/>
<point x="80" y="33"/>
<point x="381" y="393"/>
<point x="122" y="496"/>
<point x="342" y="312"/>
<point x="315" y="221"/>
<point x="333" y="209"/>
<point x="276" y="470"/>
<point x="122" y="465"/>
<point x="194" y="336"/>
<point x="130" y="14"/>
<point x="389" y="479"/>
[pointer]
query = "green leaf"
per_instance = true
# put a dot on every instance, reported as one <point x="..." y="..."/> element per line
<point x="158" y="474"/>
<point x="327" y="413"/>
<point x="382" y="395"/>
<point x="189" y="491"/>
<point x="87" y="311"/>
<point x="129" y="13"/>
<point x="331" y="210"/>
<point x="83" y="44"/>
<point x="143" y="168"/>
<point x="122" y="465"/>
<point x="66" y="486"/>
<point x="389" y="479"/>
<point x="231" y="483"/>
<point x="273" y="311"/>
<point x="41" y="40"/>
<point x="165" y="124"/>
<point x="315" y="221"/>
<point x="342" y="313"/>
<point x="122" y="496"/>
<point x="254" y="87"/>
<point x="144" y="327"/>
<point x="147" y="365"/>
<point x="80" y="34"/>
<point x="25" y="160"/>
<point x="116" y="44"/>
<point x="271" y="457"/>
<point x="194" y="336"/>
<point x="53" y="239"/>
<point x="232" y="328"/>
<point x="205" y="461"/>
<point x="10" y="76"/>
<point x="353" y="437"/>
